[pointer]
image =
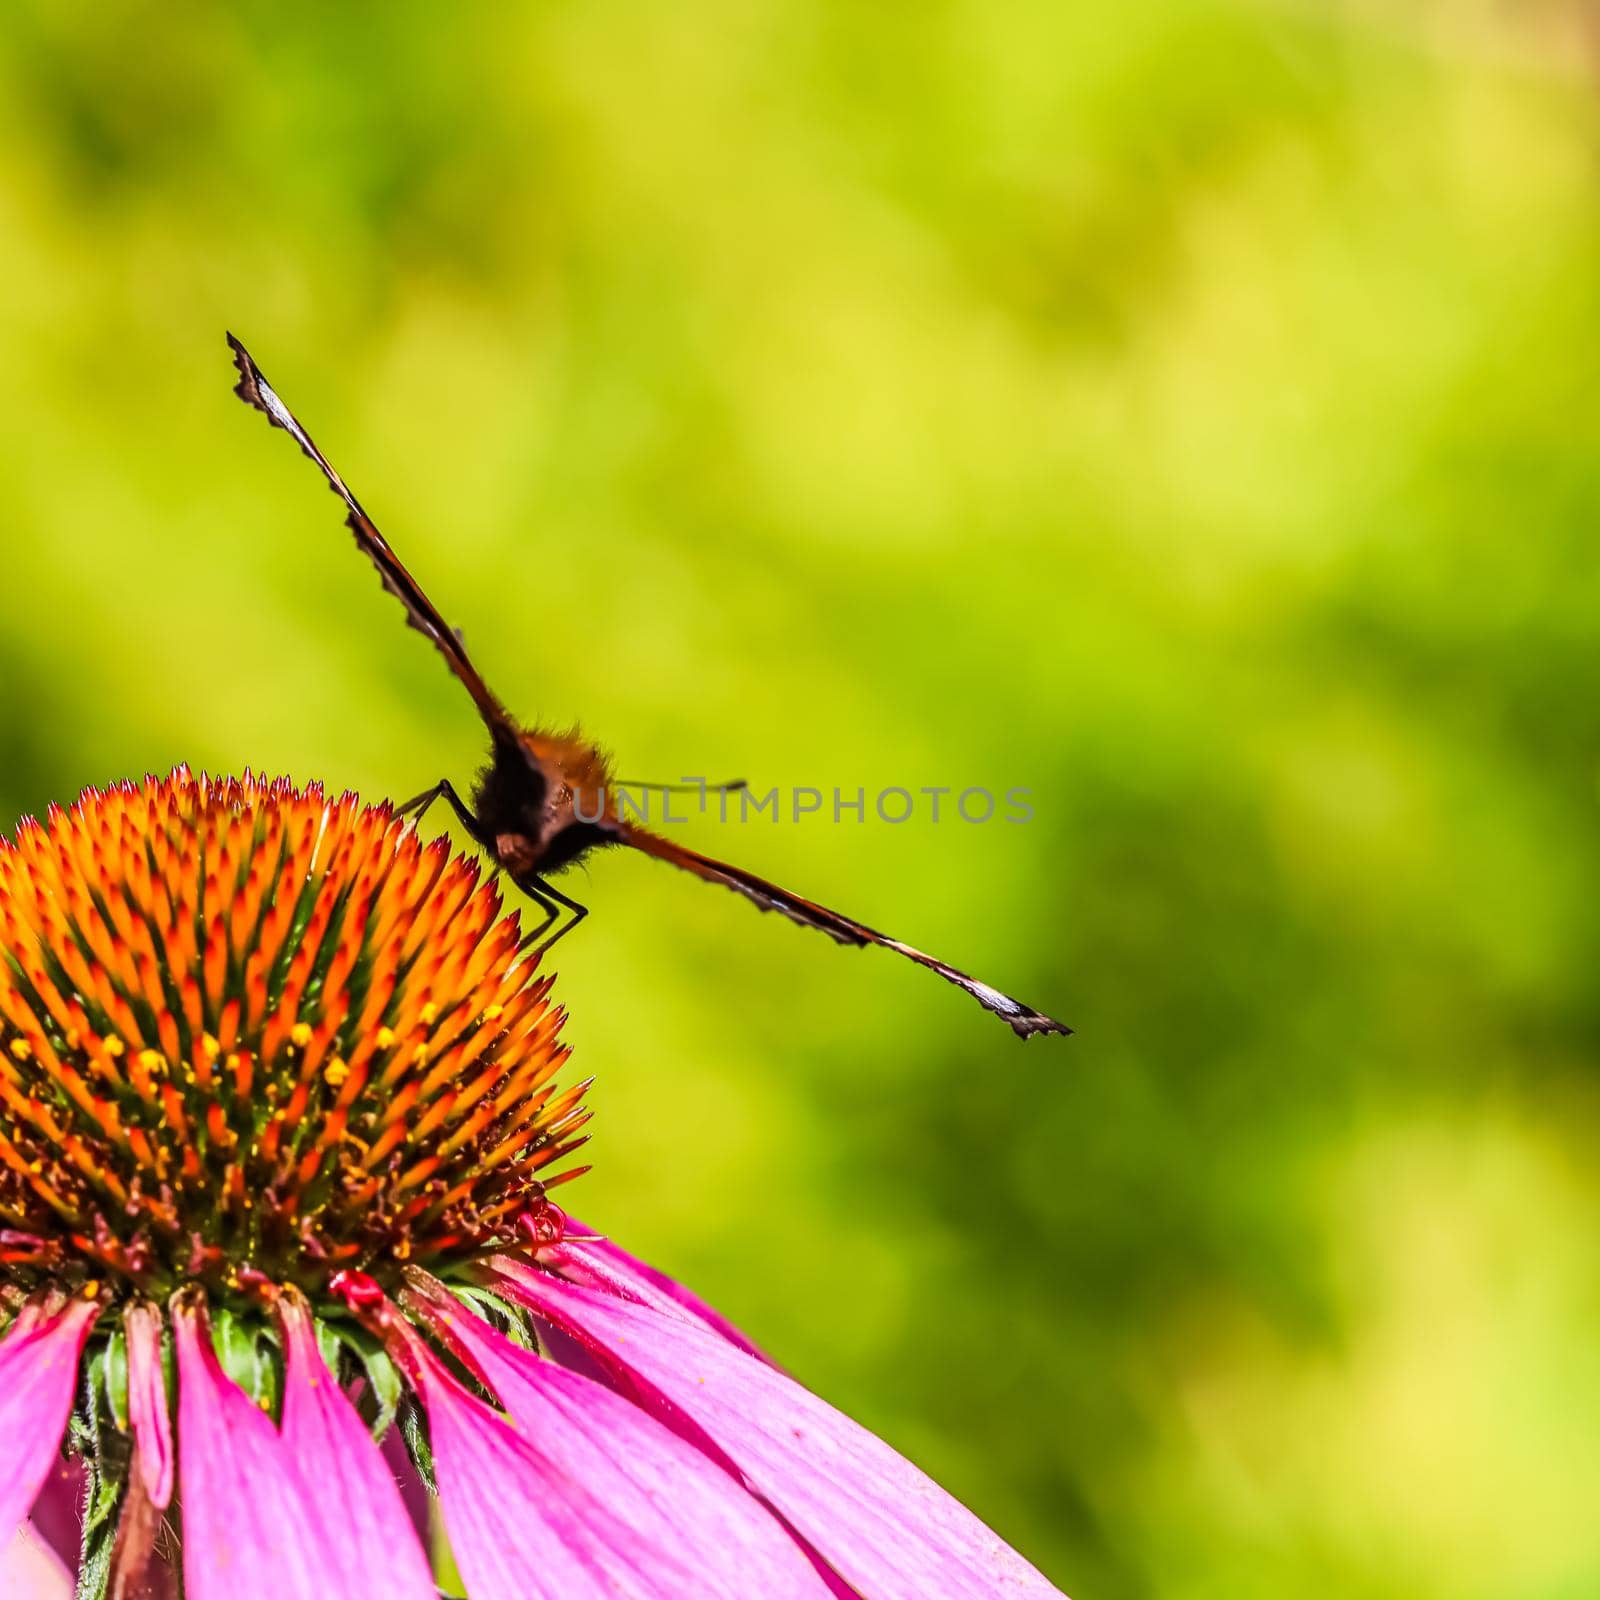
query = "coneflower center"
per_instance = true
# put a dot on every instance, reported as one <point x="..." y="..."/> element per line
<point x="252" y="1035"/>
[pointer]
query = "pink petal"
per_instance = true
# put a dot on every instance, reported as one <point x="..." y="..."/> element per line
<point x="366" y="1528"/>
<point x="147" y="1402"/>
<point x="609" y="1266"/>
<point x="31" y="1570"/>
<point x="57" y="1513"/>
<point x="38" y="1377"/>
<point x="513" y="1535"/>
<point x="551" y="1507"/>
<point x="882" y="1524"/>
<point x="685" y="1524"/>
<point x="248" y="1529"/>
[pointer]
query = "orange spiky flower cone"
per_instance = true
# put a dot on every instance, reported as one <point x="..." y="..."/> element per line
<point x="234" y="1048"/>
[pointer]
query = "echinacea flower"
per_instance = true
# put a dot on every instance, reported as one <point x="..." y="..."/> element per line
<point x="279" y="1124"/>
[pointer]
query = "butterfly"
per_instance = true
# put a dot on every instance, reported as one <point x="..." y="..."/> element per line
<point x="546" y="799"/>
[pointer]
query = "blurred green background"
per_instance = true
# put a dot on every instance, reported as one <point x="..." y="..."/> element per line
<point x="1185" y="409"/>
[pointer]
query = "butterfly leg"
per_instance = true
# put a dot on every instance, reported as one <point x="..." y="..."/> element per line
<point x="530" y="940"/>
<point x="549" y="898"/>
<point x="418" y="805"/>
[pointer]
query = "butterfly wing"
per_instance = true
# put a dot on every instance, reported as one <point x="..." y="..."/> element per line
<point x="254" y="390"/>
<point x="1024" y="1021"/>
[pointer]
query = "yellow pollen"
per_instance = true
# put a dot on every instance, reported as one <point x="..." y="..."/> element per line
<point x="151" y="1060"/>
<point x="114" y="1046"/>
<point x="210" y="1046"/>
<point x="383" y="1038"/>
<point x="91" y="1288"/>
<point x="300" y="1033"/>
<point x="429" y="1014"/>
<point x="336" y="1072"/>
<point x="494" y="1013"/>
<point x="21" y="1049"/>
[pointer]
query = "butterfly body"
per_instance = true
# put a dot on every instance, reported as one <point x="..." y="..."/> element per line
<point x="546" y="799"/>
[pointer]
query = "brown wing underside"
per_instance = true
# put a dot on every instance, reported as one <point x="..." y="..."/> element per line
<point x="1024" y="1020"/>
<point x="254" y="390"/>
